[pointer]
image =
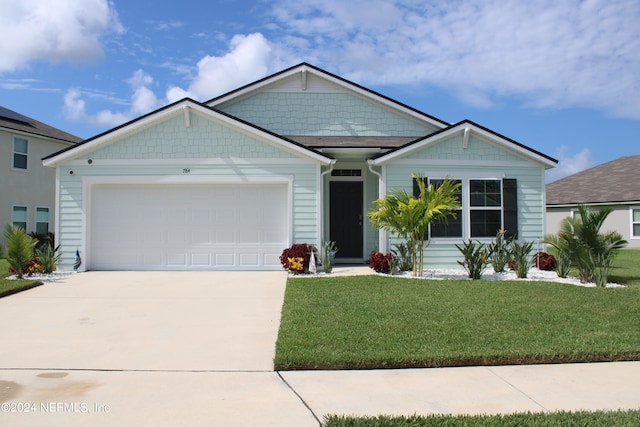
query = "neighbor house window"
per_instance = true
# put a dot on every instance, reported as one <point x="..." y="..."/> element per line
<point x="42" y="220"/>
<point x="19" y="216"/>
<point x="635" y="222"/>
<point x="20" y="153"/>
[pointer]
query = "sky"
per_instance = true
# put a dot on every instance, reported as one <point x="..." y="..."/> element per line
<point x="559" y="76"/>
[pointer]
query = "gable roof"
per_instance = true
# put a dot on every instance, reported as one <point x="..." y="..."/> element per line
<point x="14" y="121"/>
<point x="183" y="105"/>
<point x="611" y="182"/>
<point x="466" y="127"/>
<point x="303" y="68"/>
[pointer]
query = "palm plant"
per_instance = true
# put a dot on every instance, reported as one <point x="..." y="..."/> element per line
<point x="409" y="217"/>
<point x="591" y="252"/>
<point x="19" y="248"/>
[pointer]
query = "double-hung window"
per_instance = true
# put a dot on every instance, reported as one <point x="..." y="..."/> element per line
<point x="42" y="220"/>
<point x="20" y="153"/>
<point x="486" y="206"/>
<point x="635" y="223"/>
<point x="19" y="216"/>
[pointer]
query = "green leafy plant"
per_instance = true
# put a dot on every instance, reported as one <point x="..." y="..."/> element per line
<point x="499" y="252"/>
<point x="589" y="250"/>
<point x="409" y="217"/>
<point x="476" y="257"/>
<point x="403" y="257"/>
<point x="327" y="256"/>
<point x="48" y="258"/>
<point x="19" y="248"/>
<point x="520" y="257"/>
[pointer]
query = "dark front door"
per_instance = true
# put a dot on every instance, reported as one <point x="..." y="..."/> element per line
<point x="346" y="216"/>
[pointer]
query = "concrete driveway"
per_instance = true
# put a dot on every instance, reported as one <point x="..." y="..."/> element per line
<point x="146" y="348"/>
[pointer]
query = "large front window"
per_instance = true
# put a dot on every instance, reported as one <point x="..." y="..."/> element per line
<point x="486" y="206"/>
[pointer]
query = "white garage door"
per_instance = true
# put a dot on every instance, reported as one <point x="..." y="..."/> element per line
<point x="187" y="226"/>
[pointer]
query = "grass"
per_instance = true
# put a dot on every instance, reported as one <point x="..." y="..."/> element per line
<point x="556" y="419"/>
<point x="388" y="322"/>
<point x="9" y="287"/>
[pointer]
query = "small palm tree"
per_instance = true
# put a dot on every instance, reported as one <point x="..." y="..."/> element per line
<point x="590" y="251"/>
<point x="20" y="248"/>
<point x="409" y="217"/>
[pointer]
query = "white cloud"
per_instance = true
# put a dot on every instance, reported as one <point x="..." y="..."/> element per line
<point x="53" y="30"/>
<point x="542" y="52"/>
<point x="143" y="100"/>
<point x="247" y="60"/>
<point x="569" y="165"/>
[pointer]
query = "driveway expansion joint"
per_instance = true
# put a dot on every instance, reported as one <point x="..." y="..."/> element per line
<point x="306" y="405"/>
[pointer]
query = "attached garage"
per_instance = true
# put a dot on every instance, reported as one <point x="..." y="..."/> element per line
<point x="187" y="226"/>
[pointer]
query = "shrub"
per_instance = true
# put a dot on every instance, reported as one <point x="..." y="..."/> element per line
<point x="32" y="266"/>
<point x="476" y="257"/>
<point x="380" y="262"/>
<point x="499" y="254"/>
<point x="545" y="261"/>
<point x="299" y="250"/>
<point x="19" y="248"/>
<point x="48" y="257"/>
<point x="402" y="254"/>
<point x="520" y="258"/>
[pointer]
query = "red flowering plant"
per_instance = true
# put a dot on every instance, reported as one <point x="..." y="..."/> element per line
<point x="296" y="258"/>
<point x="380" y="262"/>
<point x="544" y="261"/>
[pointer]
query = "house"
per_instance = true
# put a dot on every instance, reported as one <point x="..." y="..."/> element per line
<point x="296" y="157"/>
<point x="27" y="188"/>
<point x="614" y="184"/>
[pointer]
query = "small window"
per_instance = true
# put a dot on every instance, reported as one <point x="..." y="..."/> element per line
<point x="346" y="172"/>
<point x="20" y="153"/>
<point x="19" y="217"/>
<point x="453" y="226"/>
<point x="42" y="220"/>
<point x="635" y="222"/>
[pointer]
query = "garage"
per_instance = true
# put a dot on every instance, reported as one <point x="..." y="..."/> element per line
<point x="203" y="226"/>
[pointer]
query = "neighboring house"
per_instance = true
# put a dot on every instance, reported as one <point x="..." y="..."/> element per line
<point x="297" y="157"/>
<point x="27" y="188"/>
<point x="615" y="184"/>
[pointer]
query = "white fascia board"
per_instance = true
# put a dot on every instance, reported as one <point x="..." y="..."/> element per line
<point x="180" y="108"/>
<point x="461" y="129"/>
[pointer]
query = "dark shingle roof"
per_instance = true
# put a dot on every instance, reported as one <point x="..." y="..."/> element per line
<point x="12" y="120"/>
<point x="614" y="181"/>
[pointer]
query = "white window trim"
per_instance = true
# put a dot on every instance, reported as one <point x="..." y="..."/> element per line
<point x="466" y="208"/>
<point x="631" y="222"/>
<point x="35" y="218"/>
<point x="13" y="153"/>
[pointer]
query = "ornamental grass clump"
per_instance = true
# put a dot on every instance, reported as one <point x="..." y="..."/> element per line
<point x="476" y="258"/>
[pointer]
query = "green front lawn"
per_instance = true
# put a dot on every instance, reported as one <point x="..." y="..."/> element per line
<point x="8" y="287"/>
<point x="555" y="419"/>
<point x="388" y="322"/>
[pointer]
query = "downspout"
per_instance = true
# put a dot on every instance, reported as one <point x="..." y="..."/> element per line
<point x="322" y="175"/>
<point x="382" y="190"/>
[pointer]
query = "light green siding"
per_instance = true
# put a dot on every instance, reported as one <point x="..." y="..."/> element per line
<point x="203" y="138"/>
<point x="495" y="163"/>
<point x="478" y="150"/>
<point x="324" y="114"/>
<point x="173" y="140"/>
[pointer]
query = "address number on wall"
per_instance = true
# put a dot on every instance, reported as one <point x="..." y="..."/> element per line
<point x="186" y="170"/>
